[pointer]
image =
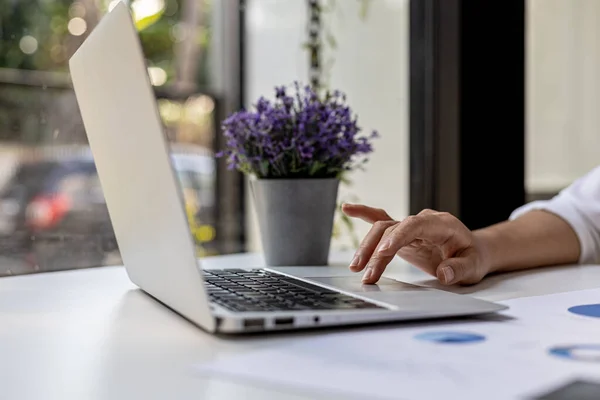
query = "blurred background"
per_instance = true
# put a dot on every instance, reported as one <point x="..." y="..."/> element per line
<point x="208" y="58"/>
<point x="52" y="211"/>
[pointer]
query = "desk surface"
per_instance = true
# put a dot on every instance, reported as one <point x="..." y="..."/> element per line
<point x="90" y="334"/>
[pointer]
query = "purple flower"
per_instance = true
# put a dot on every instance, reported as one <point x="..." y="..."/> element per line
<point x="297" y="135"/>
<point x="280" y="92"/>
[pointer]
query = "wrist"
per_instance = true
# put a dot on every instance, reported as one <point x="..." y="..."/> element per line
<point x="485" y="240"/>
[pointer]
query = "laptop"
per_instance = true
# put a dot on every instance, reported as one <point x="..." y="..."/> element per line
<point x="125" y="132"/>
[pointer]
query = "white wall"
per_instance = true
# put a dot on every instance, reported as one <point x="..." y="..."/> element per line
<point x="370" y="65"/>
<point x="563" y="91"/>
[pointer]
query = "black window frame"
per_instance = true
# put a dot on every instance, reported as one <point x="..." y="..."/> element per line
<point x="467" y="108"/>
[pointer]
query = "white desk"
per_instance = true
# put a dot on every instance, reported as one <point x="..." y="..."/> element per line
<point x="90" y="334"/>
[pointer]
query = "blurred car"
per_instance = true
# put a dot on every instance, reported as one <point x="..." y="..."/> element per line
<point x="53" y="213"/>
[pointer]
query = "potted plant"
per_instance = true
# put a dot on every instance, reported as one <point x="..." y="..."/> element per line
<point x="296" y="149"/>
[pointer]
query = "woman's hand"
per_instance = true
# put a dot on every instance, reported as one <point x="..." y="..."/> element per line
<point x="436" y="242"/>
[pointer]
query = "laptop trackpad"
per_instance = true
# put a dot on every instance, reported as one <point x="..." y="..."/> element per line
<point x="354" y="284"/>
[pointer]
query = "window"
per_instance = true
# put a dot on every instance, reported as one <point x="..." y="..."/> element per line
<point x="563" y="94"/>
<point x="52" y="212"/>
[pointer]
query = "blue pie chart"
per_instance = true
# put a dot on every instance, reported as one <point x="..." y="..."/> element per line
<point x="587" y="310"/>
<point x="450" y="337"/>
<point x="579" y="352"/>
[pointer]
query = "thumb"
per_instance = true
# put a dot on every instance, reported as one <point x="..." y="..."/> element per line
<point x="458" y="270"/>
<point x="367" y="214"/>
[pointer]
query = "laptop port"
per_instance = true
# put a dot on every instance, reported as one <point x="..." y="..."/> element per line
<point x="254" y="323"/>
<point x="284" y="321"/>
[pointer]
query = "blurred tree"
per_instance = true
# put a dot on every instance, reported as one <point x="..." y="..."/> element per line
<point x="34" y="35"/>
<point x="178" y="42"/>
<point x="41" y="35"/>
<point x="29" y="29"/>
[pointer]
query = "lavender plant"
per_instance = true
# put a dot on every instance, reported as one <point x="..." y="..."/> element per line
<point x="299" y="135"/>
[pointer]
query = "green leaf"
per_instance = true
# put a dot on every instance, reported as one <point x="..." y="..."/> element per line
<point x="364" y="9"/>
<point x="144" y="17"/>
<point x="331" y="40"/>
<point x="145" y="22"/>
<point x="315" y="168"/>
<point x="344" y="179"/>
<point x="350" y="226"/>
<point x="335" y="232"/>
<point x="264" y="168"/>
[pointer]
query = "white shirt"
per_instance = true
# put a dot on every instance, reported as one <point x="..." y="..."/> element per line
<point x="579" y="205"/>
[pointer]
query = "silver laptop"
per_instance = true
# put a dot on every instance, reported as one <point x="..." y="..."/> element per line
<point x="124" y="129"/>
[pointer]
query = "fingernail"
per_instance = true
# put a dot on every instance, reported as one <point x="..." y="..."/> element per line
<point x="355" y="261"/>
<point x="448" y="273"/>
<point x="367" y="274"/>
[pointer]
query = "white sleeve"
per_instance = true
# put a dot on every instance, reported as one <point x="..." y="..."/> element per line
<point x="579" y="205"/>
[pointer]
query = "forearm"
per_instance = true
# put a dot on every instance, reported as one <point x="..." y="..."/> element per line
<point x="537" y="238"/>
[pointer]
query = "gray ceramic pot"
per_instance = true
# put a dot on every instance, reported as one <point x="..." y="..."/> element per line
<point x="295" y="217"/>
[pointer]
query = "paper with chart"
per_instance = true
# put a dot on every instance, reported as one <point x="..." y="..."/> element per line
<point x="538" y="343"/>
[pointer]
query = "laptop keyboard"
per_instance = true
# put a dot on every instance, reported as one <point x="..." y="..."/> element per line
<point x="259" y="290"/>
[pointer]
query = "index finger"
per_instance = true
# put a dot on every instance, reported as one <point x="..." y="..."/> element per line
<point x="367" y="214"/>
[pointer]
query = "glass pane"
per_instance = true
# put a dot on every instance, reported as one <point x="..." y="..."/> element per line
<point x="52" y="211"/>
<point x="563" y="93"/>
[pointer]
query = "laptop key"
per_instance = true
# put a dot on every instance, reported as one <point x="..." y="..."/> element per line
<point x="310" y="286"/>
<point x="222" y="272"/>
<point x="260" y="290"/>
